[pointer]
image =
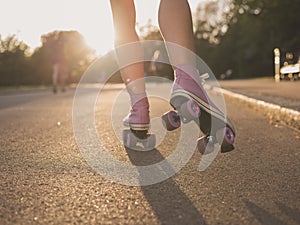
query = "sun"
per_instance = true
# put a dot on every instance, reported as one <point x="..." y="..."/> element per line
<point x="91" y="18"/>
<point x="99" y="38"/>
<point x="96" y="25"/>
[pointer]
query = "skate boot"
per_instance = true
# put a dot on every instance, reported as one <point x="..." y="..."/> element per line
<point x="138" y="136"/>
<point x="191" y="103"/>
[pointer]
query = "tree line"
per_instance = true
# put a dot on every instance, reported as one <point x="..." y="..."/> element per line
<point x="236" y="38"/>
<point x="244" y="39"/>
<point x="19" y="66"/>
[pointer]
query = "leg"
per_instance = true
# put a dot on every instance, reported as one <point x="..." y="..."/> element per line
<point x="124" y="23"/>
<point x="133" y="75"/>
<point x="63" y="76"/>
<point x="176" y="26"/>
<point x="54" y="76"/>
<point x="175" y="23"/>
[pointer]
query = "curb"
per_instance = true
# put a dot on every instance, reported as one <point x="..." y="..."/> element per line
<point x="287" y="116"/>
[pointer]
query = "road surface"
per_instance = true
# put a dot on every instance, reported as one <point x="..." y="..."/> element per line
<point x="46" y="180"/>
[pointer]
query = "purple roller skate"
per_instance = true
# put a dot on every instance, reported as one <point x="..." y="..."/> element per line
<point x="192" y="103"/>
<point x="139" y="123"/>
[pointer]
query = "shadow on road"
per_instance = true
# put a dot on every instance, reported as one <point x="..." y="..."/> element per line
<point x="169" y="203"/>
<point x="268" y="218"/>
<point x="292" y="213"/>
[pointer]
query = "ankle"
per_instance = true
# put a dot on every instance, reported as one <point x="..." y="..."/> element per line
<point x="139" y="100"/>
<point x="187" y="71"/>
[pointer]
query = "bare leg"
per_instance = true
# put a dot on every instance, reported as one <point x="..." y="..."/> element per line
<point x="55" y="76"/>
<point x="175" y="23"/>
<point x="63" y="75"/>
<point x="132" y="74"/>
<point x="124" y="18"/>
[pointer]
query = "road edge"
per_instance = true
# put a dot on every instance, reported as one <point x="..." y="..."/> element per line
<point x="275" y="112"/>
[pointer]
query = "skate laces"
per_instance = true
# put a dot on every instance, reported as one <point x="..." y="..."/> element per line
<point x="203" y="77"/>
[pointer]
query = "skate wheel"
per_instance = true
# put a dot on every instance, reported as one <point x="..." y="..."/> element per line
<point x="225" y="136"/>
<point x="149" y="143"/>
<point x="204" y="146"/>
<point x="227" y="148"/>
<point x="139" y="140"/>
<point x="171" y="120"/>
<point x="129" y="139"/>
<point x="189" y="110"/>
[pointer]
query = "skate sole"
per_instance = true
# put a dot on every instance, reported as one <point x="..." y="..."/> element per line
<point x="178" y="97"/>
<point x="139" y="140"/>
<point x="138" y="127"/>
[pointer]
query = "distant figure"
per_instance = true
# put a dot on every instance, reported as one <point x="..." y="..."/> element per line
<point x="155" y="66"/>
<point x="60" y="66"/>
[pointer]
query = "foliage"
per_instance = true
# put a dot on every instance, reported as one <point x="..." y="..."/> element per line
<point x="240" y="35"/>
<point x="254" y="29"/>
<point x="14" y="61"/>
<point x="72" y="47"/>
<point x="230" y="35"/>
<point x="212" y="19"/>
<point x="150" y="32"/>
<point x="19" y="67"/>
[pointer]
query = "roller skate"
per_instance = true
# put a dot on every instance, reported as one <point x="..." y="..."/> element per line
<point x="191" y="103"/>
<point x="138" y="136"/>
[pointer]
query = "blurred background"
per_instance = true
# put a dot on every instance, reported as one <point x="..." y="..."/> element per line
<point x="236" y="38"/>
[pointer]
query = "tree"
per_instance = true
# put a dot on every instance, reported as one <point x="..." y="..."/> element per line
<point x="270" y="23"/>
<point x="252" y="30"/>
<point x="14" y="61"/>
<point x="71" y="45"/>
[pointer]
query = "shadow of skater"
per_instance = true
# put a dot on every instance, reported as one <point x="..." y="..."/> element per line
<point x="169" y="203"/>
<point x="263" y="216"/>
<point x="291" y="213"/>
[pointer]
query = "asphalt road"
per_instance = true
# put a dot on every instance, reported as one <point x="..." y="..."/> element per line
<point x="46" y="180"/>
<point x="284" y="93"/>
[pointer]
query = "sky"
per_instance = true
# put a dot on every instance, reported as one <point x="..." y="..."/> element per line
<point x="29" y="19"/>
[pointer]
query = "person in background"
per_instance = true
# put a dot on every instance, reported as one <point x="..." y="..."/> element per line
<point x="59" y="66"/>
